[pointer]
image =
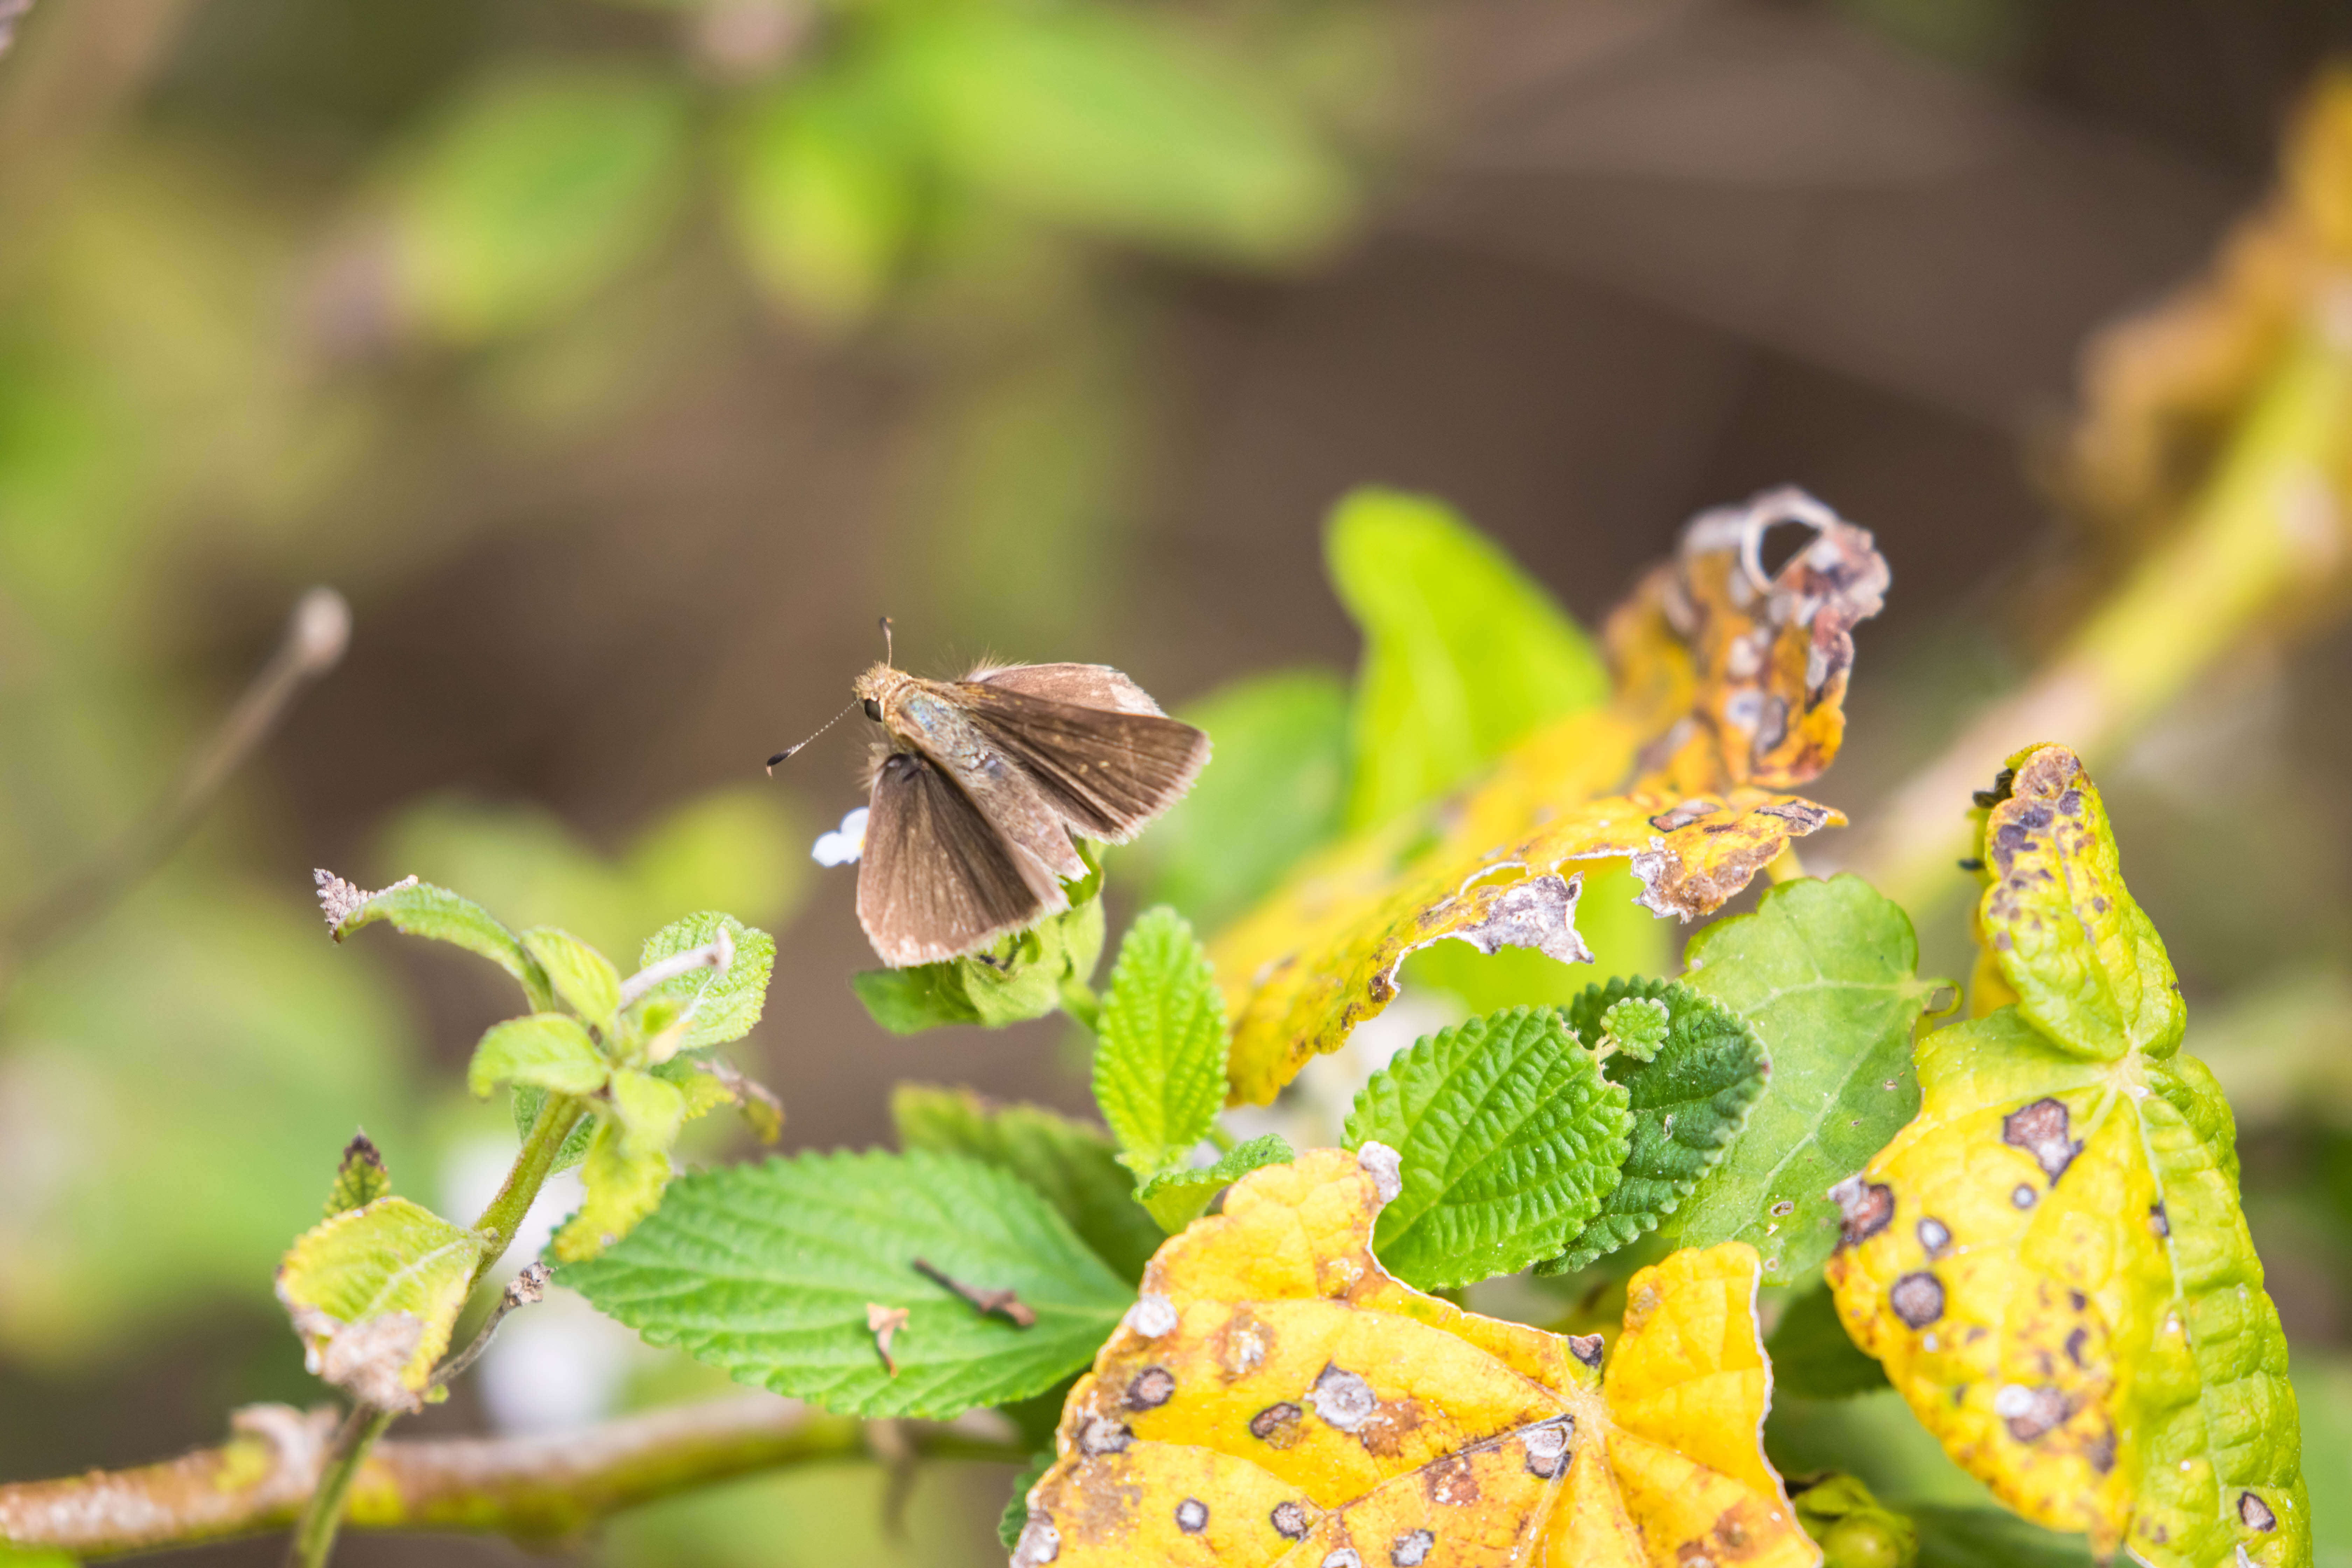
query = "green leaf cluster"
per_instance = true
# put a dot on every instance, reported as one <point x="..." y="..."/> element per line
<point x="1691" y="1074"/>
<point x="603" y="1054"/>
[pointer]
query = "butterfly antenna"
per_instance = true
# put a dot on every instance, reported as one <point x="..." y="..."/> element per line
<point x="786" y="753"/>
<point x="887" y="658"/>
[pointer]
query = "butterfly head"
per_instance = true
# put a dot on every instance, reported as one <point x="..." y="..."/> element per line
<point x="878" y="690"/>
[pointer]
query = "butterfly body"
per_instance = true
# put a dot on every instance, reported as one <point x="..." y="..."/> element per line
<point x="980" y="785"/>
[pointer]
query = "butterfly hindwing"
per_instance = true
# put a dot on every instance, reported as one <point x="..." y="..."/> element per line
<point x="1106" y="771"/>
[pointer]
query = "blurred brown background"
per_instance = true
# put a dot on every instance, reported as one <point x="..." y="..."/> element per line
<point x="616" y="528"/>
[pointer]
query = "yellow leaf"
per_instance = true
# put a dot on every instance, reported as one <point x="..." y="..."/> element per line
<point x="1276" y="1396"/>
<point x="2049" y="1260"/>
<point x="1730" y="689"/>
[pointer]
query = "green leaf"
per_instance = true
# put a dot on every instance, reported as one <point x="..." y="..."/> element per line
<point x="373" y="1294"/>
<point x="360" y="1180"/>
<point x="1275" y="793"/>
<point x="1105" y="120"/>
<point x="1463" y="653"/>
<point x="1813" y="1357"/>
<point x="649" y="1109"/>
<point x="1159" y="1055"/>
<point x="537" y="191"/>
<point x="1823" y="971"/>
<point x="1071" y="1164"/>
<point x="546" y="1051"/>
<point x="582" y="979"/>
<point x="622" y="1182"/>
<point x="1016" y="1518"/>
<point x="1177" y="1198"/>
<point x="1022" y="977"/>
<point x="825" y="198"/>
<point x="1688" y="1102"/>
<point x="420" y="909"/>
<point x="719" y="1006"/>
<point x="1510" y="1138"/>
<point x="766" y="1272"/>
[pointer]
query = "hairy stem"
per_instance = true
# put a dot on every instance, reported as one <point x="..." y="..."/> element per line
<point x="533" y="1164"/>
<point x="322" y="1517"/>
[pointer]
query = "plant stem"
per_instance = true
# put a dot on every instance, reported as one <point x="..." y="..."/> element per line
<point x="1080" y="1001"/>
<point x="533" y="1164"/>
<point x="322" y="1517"/>
<point x="314" y="1537"/>
<point x="1221" y="1138"/>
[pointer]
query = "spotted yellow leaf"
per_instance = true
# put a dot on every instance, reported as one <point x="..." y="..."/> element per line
<point x="2049" y="1260"/>
<point x="1274" y="1396"/>
<point x="1731" y="690"/>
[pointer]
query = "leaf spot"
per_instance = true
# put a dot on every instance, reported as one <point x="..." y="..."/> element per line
<point x="1277" y="1424"/>
<point x="2031" y="1413"/>
<point x="1935" y="1236"/>
<point x="1289" y="1520"/>
<point x="1104" y="1436"/>
<point x="1867" y="1208"/>
<point x="1152" y="1316"/>
<point x="2256" y="1513"/>
<point x="1151" y="1388"/>
<point x="1343" y="1399"/>
<point x="2023" y="1195"/>
<point x="1192" y="1516"/>
<point x="1040" y="1543"/>
<point x="1917" y="1299"/>
<point x="2041" y="1131"/>
<point x="1411" y="1548"/>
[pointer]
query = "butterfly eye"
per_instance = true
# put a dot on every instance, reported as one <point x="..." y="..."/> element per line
<point x="873" y="710"/>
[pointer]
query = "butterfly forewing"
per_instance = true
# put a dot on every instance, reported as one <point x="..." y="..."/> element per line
<point x="1086" y="684"/>
<point x="1107" y="772"/>
<point x="937" y="879"/>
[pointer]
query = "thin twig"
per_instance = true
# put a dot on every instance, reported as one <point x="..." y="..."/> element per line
<point x="316" y="635"/>
<point x="525" y="1288"/>
<point x="1005" y="1304"/>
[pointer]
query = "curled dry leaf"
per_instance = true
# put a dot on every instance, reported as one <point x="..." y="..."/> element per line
<point x="1730" y="690"/>
<point x="1276" y="1396"/>
<point x="2049" y="1260"/>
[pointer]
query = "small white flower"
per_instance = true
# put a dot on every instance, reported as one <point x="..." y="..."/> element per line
<point x="845" y="844"/>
